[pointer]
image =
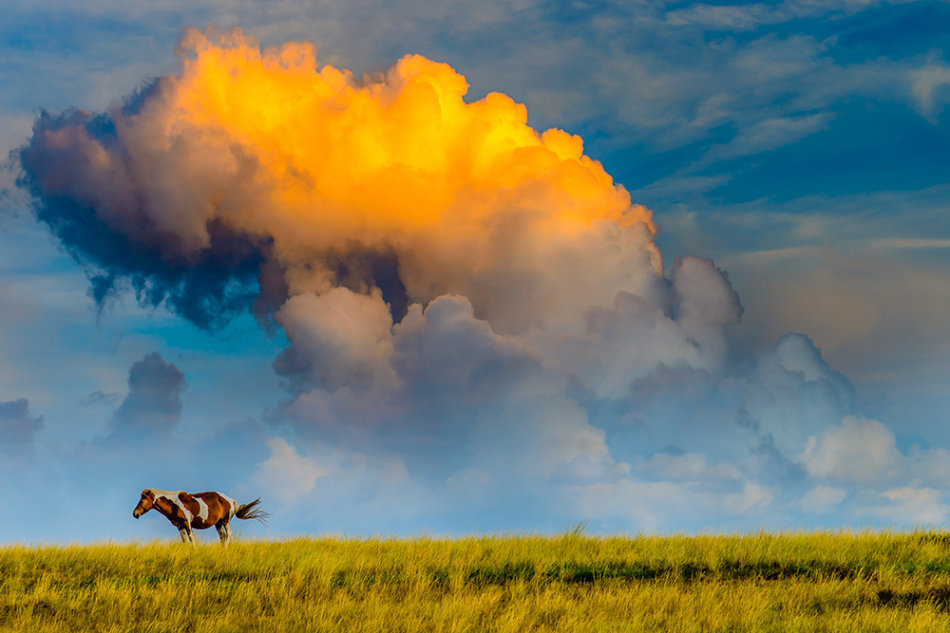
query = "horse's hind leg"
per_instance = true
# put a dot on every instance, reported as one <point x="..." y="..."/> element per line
<point x="223" y="532"/>
<point x="184" y="534"/>
<point x="224" y="529"/>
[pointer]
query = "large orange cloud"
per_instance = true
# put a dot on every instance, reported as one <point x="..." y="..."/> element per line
<point x="355" y="199"/>
<point x="385" y="157"/>
<point x="465" y="197"/>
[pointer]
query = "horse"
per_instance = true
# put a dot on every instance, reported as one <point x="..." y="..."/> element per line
<point x="198" y="511"/>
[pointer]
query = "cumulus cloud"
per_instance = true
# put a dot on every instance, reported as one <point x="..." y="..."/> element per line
<point x="469" y="403"/>
<point x="152" y="408"/>
<point x="856" y="451"/>
<point x="188" y="192"/>
<point x="337" y="338"/>
<point x="861" y="455"/>
<point x="286" y="474"/>
<point x="794" y="394"/>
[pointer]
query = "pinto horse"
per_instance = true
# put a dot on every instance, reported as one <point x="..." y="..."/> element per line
<point x="199" y="511"/>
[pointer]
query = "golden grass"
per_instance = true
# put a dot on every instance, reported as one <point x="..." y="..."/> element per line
<point x="760" y="582"/>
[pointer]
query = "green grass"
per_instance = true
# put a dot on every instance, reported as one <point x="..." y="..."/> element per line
<point x="760" y="582"/>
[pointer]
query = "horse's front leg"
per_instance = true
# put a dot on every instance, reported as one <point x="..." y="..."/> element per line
<point x="187" y="536"/>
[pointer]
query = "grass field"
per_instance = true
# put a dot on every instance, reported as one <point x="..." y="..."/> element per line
<point x="761" y="582"/>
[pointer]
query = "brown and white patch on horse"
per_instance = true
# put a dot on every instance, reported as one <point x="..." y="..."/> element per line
<point x="207" y="508"/>
<point x="220" y="507"/>
<point x="197" y="511"/>
<point x="168" y="504"/>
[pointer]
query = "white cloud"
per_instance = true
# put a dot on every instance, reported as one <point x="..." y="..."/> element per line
<point x="769" y="134"/>
<point x="752" y="499"/>
<point x="822" y="499"/>
<point x="752" y="16"/>
<point x="929" y="87"/>
<point x="716" y="17"/>
<point x="914" y="506"/>
<point x="793" y="395"/>
<point x="910" y="243"/>
<point x="648" y="506"/>
<point x="685" y="467"/>
<point x="668" y="505"/>
<point x="858" y="451"/>
<point x="931" y="466"/>
<point x="286" y="474"/>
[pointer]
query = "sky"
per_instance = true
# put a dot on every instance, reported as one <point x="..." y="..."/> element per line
<point x="453" y="268"/>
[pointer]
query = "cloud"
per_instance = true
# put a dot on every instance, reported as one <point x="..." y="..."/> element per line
<point x="822" y="499"/>
<point x="474" y="401"/>
<point x="660" y="506"/>
<point x="873" y="327"/>
<point x="686" y="467"/>
<point x="18" y="430"/>
<point x="286" y="474"/>
<point x="760" y="93"/>
<point x="98" y="397"/>
<point x="417" y="195"/>
<point x="769" y="134"/>
<point x="858" y="451"/>
<point x="752" y="16"/>
<point x="928" y="85"/>
<point x="337" y="338"/>
<point x="752" y="499"/>
<point x="449" y="187"/>
<point x="917" y="505"/>
<point x="152" y="408"/>
<point x="713" y="17"/>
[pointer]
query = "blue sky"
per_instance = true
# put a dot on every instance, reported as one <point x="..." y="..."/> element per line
<point x="802" y="147"/>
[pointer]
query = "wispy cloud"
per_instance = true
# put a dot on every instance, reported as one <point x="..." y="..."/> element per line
<point x="929" y="87"/>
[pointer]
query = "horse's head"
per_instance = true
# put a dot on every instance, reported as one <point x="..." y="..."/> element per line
<point x="146" y="501"/>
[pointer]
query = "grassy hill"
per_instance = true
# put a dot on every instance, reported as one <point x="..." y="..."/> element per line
<point x="760" y="582"/>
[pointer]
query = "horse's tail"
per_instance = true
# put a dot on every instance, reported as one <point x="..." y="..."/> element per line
<point x="250" y="511"/>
